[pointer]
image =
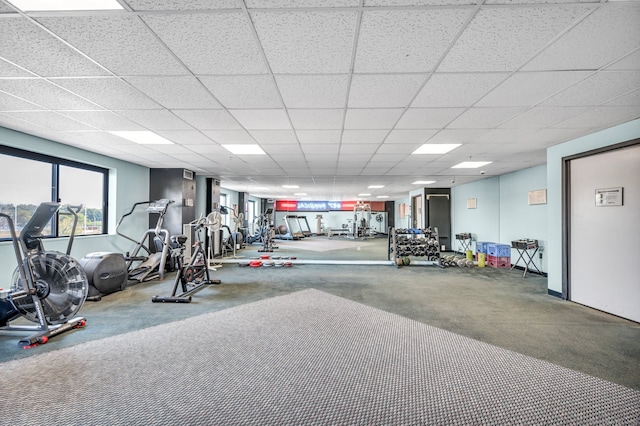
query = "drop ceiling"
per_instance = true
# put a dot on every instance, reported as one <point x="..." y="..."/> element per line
<point x="338" y="93"/>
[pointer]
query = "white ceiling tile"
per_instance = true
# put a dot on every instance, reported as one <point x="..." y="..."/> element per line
<point x="428" y="118"/>
<point x="592" y="44"/>
<point x="227" y="44"/>
<point x="51" y="120"/>
<point x="183" y="92"/>
<point x="497" y="136"/>
<point x="45" y="94"/>
<point x="553" y="136"/>
<point x="274" y="136"/>
<point x="26" y="127"/>
<point x="208" y="119"/>
<point x="11" y="103"/>
<point x="105" y="120"/>
<point x="210" y="148"/>
<point x="370" y="91"/>
<point x="155" y="119"/>
<point x="135" y="149"/>
<point x="369" y="3"/>
<point x="267" y="4"/>
<point x="262" y="118"/>
<point x="359" y="148"/>
<point x="307" y="42"/>
<point x="229" y="136"/>
<point x="457" y="135"/>
<point x="182" y="5"/>
<point x="526" y="89"/>
<point x="364" y="136"/>
<point x="108" y="92"/>
<point x="398" y="148"/>
<point x="319" y="137"/>
<point x="597" y="89"/>
<point x="245" y="91"/>
<point x="372" y="118"/>
<point x="282" y="149"/>
<point x="122" y="44"/>
<point x="479" y="118"/>
<point x="601" y="117"/>
<point x="386" y="157"/>
<point x="629" y="99"/>
<point x="172" y="149"/>
<point x="27" y="45"/>
<point x="628" y="63"/>
<point x="316" y="119"/>
<point x="312" y="150"/>
<point x="5" y="8"/>
<point x="456" y="90"/>
<point x="503" y="39"/>
<point x="405" y="40"/>
<point x="540" y="117"/>
<point x="185" y="137"/>
<point x="9" y="70"/>
<point x="313" y="91"/>
<point x="409" y="136"/>
<point x="101" y="138"/>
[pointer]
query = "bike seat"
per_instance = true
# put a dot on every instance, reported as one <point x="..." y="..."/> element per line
<point x="179" y="239"/>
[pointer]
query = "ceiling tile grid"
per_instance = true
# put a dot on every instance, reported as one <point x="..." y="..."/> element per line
<point x="338" y="93"/>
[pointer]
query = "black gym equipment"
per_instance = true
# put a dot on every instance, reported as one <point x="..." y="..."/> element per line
<point x="106" y="272"/>
<point x="194" y="276"/>
<point x="48" y="287"/>
<point x="157" y="260"/>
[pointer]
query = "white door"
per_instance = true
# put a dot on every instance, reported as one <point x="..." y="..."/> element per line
<point x="604" y="239"/>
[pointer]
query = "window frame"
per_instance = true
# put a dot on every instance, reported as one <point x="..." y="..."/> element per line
<point x="55" y="163"/>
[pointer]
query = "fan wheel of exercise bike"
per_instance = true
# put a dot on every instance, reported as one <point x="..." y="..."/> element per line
<point x="61" y="285"/>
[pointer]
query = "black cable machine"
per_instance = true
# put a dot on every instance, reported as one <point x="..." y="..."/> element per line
<point x="48" y="287"/>
<point x="194" y="276"/>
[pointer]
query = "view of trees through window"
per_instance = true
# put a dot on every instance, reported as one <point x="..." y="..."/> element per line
<point x="28" y="179"/>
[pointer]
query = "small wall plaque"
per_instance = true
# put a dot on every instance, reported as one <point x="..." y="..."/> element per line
<point x="539" y="196"/>
<point x="609" y="197"/>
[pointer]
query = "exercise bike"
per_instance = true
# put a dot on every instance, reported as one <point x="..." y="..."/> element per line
<point x="153" y="265"/>
<point x="48" y="287"/>
<point x="194" y="276"/>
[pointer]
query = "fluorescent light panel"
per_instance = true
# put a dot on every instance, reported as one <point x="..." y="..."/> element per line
<point x="382" y="196"/>
<point x="471" y="164"/>
<point x="300" y="193"/>
<point x="244" y="149"/>
<point x="436" y="148"/>
<point x="143" y="137"/>
<point x="65" y="5"/>
<point x="375" y="186"/>
<point x="290" y="186"/>
<point x="423" y="182"/>
<point x="363" y="195"/>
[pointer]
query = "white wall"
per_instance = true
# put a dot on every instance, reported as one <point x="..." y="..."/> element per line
<point x="128" y="183"/>
<point x="553" y="250"/>
<point x="483" y="222"/>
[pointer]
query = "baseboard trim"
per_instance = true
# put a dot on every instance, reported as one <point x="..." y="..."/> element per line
<point x="554" y="293"/>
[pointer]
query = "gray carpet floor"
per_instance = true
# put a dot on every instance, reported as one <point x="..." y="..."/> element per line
<point x="307" y="358"/>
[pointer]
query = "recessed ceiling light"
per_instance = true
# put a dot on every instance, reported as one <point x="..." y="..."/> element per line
<point x="423" y="182"/>
<point x="382" y="196"/>
<point x="436" y="148"/>
<point x="61" y="5"/>
<point x="290" y="186"/>
<point x="143" y="137"/>
<point x="375" y="186"/>
<point x="471" y="164"/>
<point x="364" y="195"/>
<point x="244" y="149"/>
<point x="299" y="193"/>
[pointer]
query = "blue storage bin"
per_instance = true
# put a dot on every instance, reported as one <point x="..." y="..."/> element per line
<point x="499" y="250"/>
<point x="481" y="246"/>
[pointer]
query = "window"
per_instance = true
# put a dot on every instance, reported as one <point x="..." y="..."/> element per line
<point x="28" y="179"/>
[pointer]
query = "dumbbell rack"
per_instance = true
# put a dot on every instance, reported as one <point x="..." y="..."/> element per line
<point x="422" y="246"/>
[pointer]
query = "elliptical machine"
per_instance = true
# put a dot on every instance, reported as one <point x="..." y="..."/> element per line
<point x="48" y="287"/>
<point x="153" y="264"/>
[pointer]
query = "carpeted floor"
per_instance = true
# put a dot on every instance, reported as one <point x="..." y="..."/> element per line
<point x="305" y="358"/>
